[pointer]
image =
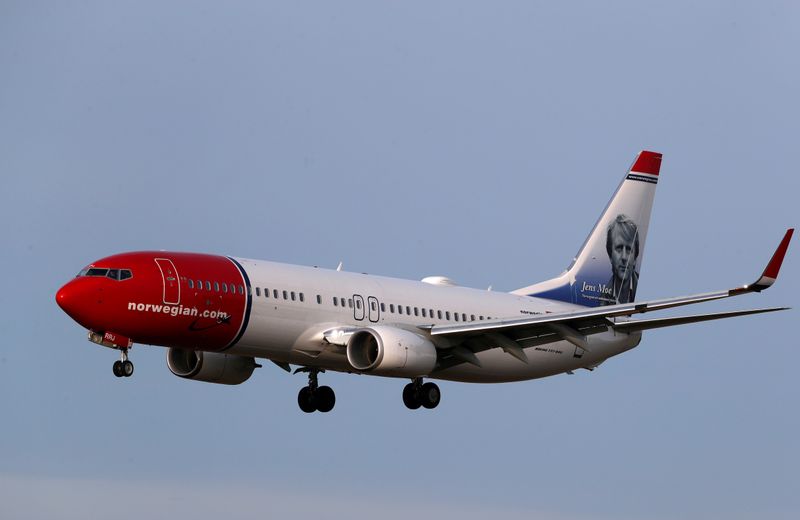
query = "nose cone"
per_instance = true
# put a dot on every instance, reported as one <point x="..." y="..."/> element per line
<point x="65" y="298"/>
<point x="75" y="298"/>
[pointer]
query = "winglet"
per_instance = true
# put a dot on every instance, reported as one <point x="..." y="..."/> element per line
<point x="770" y="274"/>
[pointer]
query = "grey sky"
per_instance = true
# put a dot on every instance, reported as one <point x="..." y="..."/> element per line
<point x="474" y="140"/>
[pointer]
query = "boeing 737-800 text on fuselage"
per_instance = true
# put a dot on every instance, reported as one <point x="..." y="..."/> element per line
<point x="217" y="314"/>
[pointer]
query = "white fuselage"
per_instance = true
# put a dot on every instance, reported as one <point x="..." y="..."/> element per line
<point x="286" y="329"/>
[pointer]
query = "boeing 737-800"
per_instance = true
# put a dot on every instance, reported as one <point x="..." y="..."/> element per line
<point x="218" y="314"/>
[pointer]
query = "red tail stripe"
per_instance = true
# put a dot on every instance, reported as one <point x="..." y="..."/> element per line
<point x="647" y="162"/>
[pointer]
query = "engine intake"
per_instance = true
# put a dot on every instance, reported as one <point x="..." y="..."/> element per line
<point x="391" y="351"/>
<point x="211" y="367"/>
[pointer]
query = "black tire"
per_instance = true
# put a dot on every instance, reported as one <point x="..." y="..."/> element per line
<point x="305" y="399"/>
<point x="429" y="395"/>
<point x="410" y="398"/>
<point x="117" y="368"/>
<point x="127" y="368"/>
<point x="325" y="399"/>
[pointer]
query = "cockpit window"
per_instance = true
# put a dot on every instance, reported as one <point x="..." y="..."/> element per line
<point x="114" y="274"/>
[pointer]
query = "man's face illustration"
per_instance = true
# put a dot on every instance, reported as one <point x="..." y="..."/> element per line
<point x="622" y="260"/>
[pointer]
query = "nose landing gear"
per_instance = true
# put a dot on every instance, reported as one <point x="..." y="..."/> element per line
<point x="123" y="367"/>
<point x="315" y="398"/>
<point x="417" y="393"/>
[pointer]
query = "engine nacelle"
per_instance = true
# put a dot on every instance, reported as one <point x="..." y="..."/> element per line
<point x="211" y="367"/>
<point x="391" y="351"/>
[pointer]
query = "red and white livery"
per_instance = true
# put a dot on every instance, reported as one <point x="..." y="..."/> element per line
<point x="217" y="315"/>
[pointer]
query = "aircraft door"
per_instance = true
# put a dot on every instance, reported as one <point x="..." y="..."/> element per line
<point x="358" y="307"/>
<point x="171" y="284"/>
<point x="373" y="309"/>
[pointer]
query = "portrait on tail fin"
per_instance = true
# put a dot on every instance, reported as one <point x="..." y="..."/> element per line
<point x="622" y="246"/>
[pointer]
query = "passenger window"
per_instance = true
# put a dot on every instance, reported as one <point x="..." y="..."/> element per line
<point x="463" y="317"/>
<point x="292" y="293"/>
<point x="302" y="298"/>
<point x="416" y="311"/>
<point x="431" y="312"/>
<point x="285" y="295"/>
<point x="424" y="314"/>
<point x="224" y="287"/>
<point x="408" y="310"/>
<point x="199" y="284"/>
<point x="440" y="314"/>
<point x="447" y="314"/>
<point x="350" y="302"/>
<point x="216" y="286"/>
<point x="455" y="315"/>
<point x="275" y="293"/>
<point x="358" y="304"/>
<point x="391" y="308"/>
<point x="241" y="289"/>
<point x="258" y="291"/>
<point x="383" y="307"/>
<point x="480" y="318"/>
<point x="208" y="285"/>
<point x="399" y="309"/>
<point x="319" y="299"/>
<point x="335" y="301"/>
<point x="471" y="317"/>
<point x="191" y="283"/>
<point x="373" y="306"/>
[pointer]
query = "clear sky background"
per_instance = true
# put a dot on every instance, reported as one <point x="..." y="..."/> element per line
<point x="477" y="140"/>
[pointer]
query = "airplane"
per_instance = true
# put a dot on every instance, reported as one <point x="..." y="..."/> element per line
<point x="217" y="314"/>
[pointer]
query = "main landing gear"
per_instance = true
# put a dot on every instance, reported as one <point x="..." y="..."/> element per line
<point x="315" y="398"/>
<point x="417" y="393"/>
<point x="123" y="367"/>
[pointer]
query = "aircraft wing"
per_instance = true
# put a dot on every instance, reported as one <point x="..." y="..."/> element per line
<point x="513" y="335"/>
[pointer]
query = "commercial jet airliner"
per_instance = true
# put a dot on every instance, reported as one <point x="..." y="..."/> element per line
<point x="218" y="314"/>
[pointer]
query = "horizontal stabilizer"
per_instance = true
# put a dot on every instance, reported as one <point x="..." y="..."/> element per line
<point x="639" y="325"/>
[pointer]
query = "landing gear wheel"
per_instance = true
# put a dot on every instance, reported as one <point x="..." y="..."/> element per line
<point x="123" y="367"/>
<point x="305" y="399"/>
<point x="127" y="368"/>
<point x="325" y="399"/>
<point x="429" y="395"/>
<point x="314" y="397"/>
<point x="410" y="398"/>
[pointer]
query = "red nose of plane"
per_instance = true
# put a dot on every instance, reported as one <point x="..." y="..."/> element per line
<point x="76" y="298"/>
<point x="65" y="298"/>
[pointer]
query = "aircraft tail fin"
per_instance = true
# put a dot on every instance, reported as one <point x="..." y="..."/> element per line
<point x="606" y="269"/>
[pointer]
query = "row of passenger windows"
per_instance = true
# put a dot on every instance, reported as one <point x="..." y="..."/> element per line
<point x="215" y="286"/>
<point x="338" y="301"/>
<point x="357" y="303"/>
<point x="287" y="295"/>
<point x="431" y="313"/>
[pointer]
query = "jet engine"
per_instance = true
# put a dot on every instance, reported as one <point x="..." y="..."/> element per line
<point x="211" y="367"/>
<point x="391" y="351"/>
